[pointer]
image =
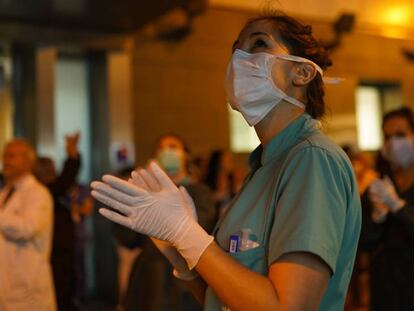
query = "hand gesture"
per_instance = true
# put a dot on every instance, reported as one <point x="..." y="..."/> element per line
<point x="72" y="145"/>
<point x="382" y="191"/>
<point x="161" y="214"/>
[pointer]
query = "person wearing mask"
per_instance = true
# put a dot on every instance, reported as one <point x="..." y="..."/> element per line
<point x="360" y="288"/>
<point x="164" y="291"/>
<point x="173" y="155"/>
<point x="388" y="230"/>
<point x="63" y="244"/>
<point x="26" y="223"/>
<point x="289" y="238"/>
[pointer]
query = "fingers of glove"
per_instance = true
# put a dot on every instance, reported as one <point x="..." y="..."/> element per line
<point x="380" y="207"/>
<point x="124" y="209"/>
<point x="137" y="180"/>
<point x="189" y="203"/>
<point x="376" y="188"/>
<point x="115" y="194"/>
<point x="161" y="177"/>
<point x="375" y="198"/>
<point x="123" y="186"/>
<point x="115" y="217"/>
<point x="389" y="186"/>
<point x="377" y="185"/>
<point x="149" y="180"/>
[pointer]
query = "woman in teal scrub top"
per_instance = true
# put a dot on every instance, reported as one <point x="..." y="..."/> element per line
<point x="288" y="239"/>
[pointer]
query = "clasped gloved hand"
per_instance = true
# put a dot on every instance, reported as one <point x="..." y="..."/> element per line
<point x="382" y="191"/>
<point x="143" y="179"/>
<point x="161" y="213"/>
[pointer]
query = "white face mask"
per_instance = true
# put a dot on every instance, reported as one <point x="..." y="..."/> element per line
<point x="399" y="152"/>
<point x="249" y="85"/>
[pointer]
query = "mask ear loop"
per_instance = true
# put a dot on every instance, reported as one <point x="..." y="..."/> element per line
<point x="292" y="100"/>
<point x="332" y="80"/>
<point x="299" y="59"/>
<point x="326" y="80"/>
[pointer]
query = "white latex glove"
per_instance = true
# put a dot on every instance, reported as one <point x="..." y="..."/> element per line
<point x="159" y="214"/>
<point x="379" y="212"/>
<point x="143" y="179"/>
<point x="382" y="191"/>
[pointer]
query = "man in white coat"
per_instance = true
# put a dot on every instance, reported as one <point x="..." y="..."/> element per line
<point x="26" y="219"/>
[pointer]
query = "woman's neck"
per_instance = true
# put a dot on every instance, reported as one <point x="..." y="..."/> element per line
<point x="276" y="121"/>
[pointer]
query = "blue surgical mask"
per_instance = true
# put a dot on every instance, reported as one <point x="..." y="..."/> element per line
<point x="170" y="161"/>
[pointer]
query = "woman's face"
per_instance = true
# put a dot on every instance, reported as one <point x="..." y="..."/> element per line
<point x="397" y="127"/>
<point x="173" y="144"/>
<point x="260" y="36"/>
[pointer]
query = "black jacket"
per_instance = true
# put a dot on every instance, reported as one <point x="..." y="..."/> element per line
<point x="392" y="246"/>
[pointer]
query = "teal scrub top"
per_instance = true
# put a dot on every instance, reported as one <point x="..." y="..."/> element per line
<point x="300" y="196"/>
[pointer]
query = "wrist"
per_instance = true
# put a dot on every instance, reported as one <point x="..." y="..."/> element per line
<point x="192" y="243"/>
<point x="186" y="275"/>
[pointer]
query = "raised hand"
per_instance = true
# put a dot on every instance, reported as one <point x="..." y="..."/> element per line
<point x="72" y="145"/>
<point x="382" y="191"/>
<point x="158" y="211"/>
<point x="143" y="179"/>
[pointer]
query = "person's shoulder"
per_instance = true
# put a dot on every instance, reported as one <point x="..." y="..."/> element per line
<point x="321" y="155"/>
<point x="38" y="189"/>
<point x="321" y="145"/>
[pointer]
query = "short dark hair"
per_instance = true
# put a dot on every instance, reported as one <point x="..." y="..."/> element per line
<point x="175" y="136"/>
<point x="404" y="112"/>
<point x="300" y="42"/>
<point x="213" y="168"/>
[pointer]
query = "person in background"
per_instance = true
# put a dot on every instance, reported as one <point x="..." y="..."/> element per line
<point x="63" y="250"/>
<point x="152" y="285"/>
<point x="358" y="298"/>
<point x="288" y="241"/>
<point x="81" y="206"/>
<point x="173" y="155"/>
<point x="388" y="230"/>
<point x="26" y="224"/>
<point x="220" y="179"/>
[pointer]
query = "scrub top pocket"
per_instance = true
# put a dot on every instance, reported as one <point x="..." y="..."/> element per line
<point x="254" y="259"/>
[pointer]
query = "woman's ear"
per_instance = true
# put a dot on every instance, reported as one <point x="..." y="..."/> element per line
<point x="305" y="73"/>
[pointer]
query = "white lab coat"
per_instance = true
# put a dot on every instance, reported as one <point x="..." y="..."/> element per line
<point x="26" y="225"/>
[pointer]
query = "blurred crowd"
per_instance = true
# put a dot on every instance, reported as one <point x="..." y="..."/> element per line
<point x="43" y="232"/>
<point x="384" y="269"/>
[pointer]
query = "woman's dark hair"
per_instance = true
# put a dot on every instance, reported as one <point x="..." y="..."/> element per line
<point x="44" y="170"/>
<point x="405" y="113"/>
<point x="175" y="136"/>
<point x="300" y="42"/>
<point x="213" y="169"/>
